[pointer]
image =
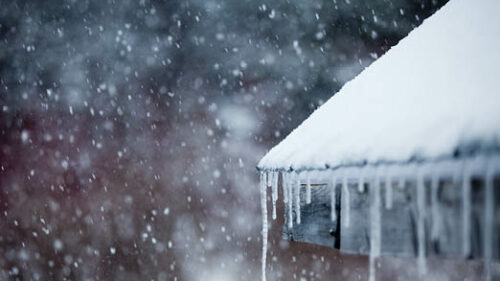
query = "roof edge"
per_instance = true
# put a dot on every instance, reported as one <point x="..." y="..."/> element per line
<point x="410" y="161"/>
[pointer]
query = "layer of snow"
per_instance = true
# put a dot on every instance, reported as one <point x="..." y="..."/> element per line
<point x="437" y="91"/>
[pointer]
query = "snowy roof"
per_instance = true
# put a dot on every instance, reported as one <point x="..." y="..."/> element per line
<point x="437" y="91"/>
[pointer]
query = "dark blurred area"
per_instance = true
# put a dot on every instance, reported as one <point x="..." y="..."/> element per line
<point x="130" y="130"/>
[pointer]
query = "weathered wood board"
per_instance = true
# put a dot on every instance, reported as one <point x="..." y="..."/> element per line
<point x="354" y="236"/>
<point x="316" y="226"/>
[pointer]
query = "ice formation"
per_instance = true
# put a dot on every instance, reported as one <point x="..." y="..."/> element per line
<point x="436" y="216"/>
<point x="333" y="212"/>
<point x="421" y="221"/>
<point x="361" y="182"/>
<point x="401" y="182"/>
<point x="375" y="226"/>
<point x="297" y="198"/>
<point x="284" y="186"/>
<point x="263" y="204"/>
<point x="274" y="188"/>
<point x="308" y="188"/>
<point x="466" y="211"/>
<point x="289" y="188"/>
<point x="347" y="202"/>
<point x="388" y="193"/>
<point x="489" y="217"/>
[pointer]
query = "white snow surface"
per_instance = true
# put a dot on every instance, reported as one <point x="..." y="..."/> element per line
<point x="436" y="91"/>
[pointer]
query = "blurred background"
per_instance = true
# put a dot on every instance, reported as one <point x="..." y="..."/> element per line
<point x="130" y="130"/>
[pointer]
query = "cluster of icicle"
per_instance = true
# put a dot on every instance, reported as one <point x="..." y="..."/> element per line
<point x="460" y="171"/>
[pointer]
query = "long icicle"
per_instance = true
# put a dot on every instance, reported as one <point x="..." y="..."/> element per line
<point x="402" y="177"/>
<point x="466" y="211"/>
<point x="284" y="186"/>
<point x="388" y="193"/>
<point x="456" y="178"/>
<point x="436" y="216"/>
<point x="290" y="201"/>
<point x="263" y="204"/>
<point x="361" y="182"/>
<point x="274" y="194"/>
<point x="488" y="220"/>
<point x="308" y="188"/>
<point x="375" y="225"/>
<point x="297" y="198"/>
<point x="333" y="212"/>
<point x="421" y="221"/>
<point x="347" y="202"/>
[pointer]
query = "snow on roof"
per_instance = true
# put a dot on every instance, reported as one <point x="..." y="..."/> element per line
<point x="437" y="91"/>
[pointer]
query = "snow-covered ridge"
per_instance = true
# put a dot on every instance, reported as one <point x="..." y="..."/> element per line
<point x="433" y="94"/>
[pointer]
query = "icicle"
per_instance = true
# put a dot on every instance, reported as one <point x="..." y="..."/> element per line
<point x="488" y="219"/>
<point x="456" y="181"/>
<point x="297" y="198"/>
<point x="436" y="217"/>
<point x="388" y="193"/>
<point x="347" y="202"/>
<point x="361" y="183"/>
<point x="375" y="226"/>
<point x="290" y="202"/>
<point x="284" y="186"/>
<point x="401" y="183"/>
<point x="274" y="194"/>
<point x="361" y="180"/>
<point x="401" y="178"/>
<point x="275" y="181"/>
<point x="333" y="212"/>
<point x="466" y="212"/>
<point x="421" y="222"/>
<point x="263" y="204"/>
<point x="308" y="188"/>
